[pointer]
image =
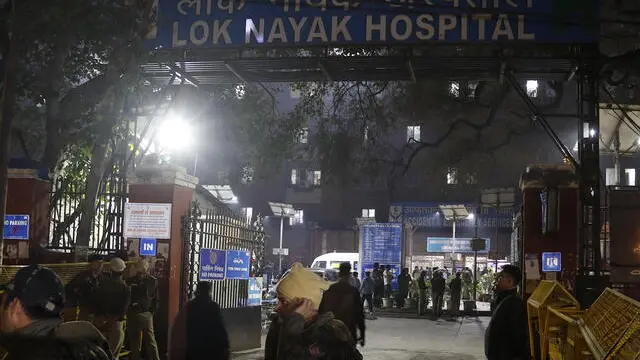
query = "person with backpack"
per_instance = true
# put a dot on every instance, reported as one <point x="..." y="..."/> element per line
<point x="299" y="331"/>
<point x="32" y="309"/>
<point x="343" y="300"/>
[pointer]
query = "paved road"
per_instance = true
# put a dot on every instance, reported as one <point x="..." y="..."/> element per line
<point x="419" y="339"/>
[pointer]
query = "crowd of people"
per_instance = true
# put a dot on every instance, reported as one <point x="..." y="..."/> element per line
<point x="313" y="319"/>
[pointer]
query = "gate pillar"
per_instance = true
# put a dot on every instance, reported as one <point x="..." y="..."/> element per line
<point x="169" y="185"/>
<point x="27" y="194"/>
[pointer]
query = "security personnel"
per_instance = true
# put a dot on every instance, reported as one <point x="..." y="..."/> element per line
<point x="144" y="303"/>
<point x="32" y="308"/>
<point x="80" y="291"/>
<point x="112" y="302"/>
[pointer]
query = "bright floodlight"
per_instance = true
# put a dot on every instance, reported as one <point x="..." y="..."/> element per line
<point x="174" y="133"/>
<point x="470" y="216"/>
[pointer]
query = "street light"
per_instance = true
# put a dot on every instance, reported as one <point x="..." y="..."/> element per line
<point x="283" y="211"/>
<point x="454" y="213"/>
<point x="175" y="133"/>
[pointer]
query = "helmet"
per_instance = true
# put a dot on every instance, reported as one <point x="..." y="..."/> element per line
<point x="117" y="265"/>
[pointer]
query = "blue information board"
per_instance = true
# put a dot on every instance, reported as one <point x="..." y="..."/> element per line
<point x="254" y="297"/>
<point x="382" y="244"/>
<point x="16" y="227"/>
<point x="212" y="264"/>
<point x="446" y="244"/>
<point x="148" y="247"/>
<point x="551" y="262"/>
<point x="238" y="264"/>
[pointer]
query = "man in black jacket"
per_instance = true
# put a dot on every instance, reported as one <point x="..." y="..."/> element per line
<point x="343" y="300"/>
<point x="507" y="336"/>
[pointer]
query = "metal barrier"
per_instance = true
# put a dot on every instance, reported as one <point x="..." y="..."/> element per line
<point x="559" y="330"/>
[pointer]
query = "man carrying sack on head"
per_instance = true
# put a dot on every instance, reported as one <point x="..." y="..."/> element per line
<point x="298" y="331"/>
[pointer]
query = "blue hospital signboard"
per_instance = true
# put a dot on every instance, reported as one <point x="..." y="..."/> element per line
<point x="148" y="247"/>
<point x="212" y="264"/>
<point x="225" y="23"/>
<point x="238" y="264"/>
<point x="447" y="244"/>
<point x="381" y="243"/>
<point x="16" y="227"/>
<point x="551" y="262"/>
<point x="254" y="297"/>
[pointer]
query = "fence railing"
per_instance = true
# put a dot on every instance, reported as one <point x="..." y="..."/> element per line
<point x="219" y="228"/>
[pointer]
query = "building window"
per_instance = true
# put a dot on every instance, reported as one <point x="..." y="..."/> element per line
<point x="303" y="136"/>
<point x="532" y="88"/>
<point x="413" y="133"/>
<point x="240" y="91"/>
<point x="315" y="177"/>
<point x="294" y="176"/>
<point x="452" y="176"/>
<point x="298" y="218"/>
<point x="454" y="89"/>
<point x="247" y="175"/>
<point x="248" y="214"/>
<point x="368" y="213"/>
<point x="611" y="177"/>
<point x="631" y="176"/>
<point x="471" y="179"/>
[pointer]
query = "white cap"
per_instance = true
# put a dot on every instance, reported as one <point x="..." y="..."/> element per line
<point x="117" y="265"/>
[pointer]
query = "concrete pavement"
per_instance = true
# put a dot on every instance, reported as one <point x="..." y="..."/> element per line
<point x="418" y="339"/>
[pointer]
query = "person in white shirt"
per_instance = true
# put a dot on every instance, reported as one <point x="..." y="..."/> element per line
<point x="388" y="280"/>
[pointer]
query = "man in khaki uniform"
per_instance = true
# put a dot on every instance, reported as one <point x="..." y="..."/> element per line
<point x="144" y="303"/>
<point x="112" y="301"/>
<point x="80" y="291"/>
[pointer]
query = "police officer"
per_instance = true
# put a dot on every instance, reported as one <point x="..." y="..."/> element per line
<point x="80" y="291"/>
<point x="144" y="303"/>
<point x="32" y="308"/>
<point x="112" y="302"/>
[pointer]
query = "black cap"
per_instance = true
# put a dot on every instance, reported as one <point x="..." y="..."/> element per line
<point x="37" y="287"/>
<point x="513" y="271"/>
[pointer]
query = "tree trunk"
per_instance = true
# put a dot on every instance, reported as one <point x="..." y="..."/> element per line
<point x="94" y="179"/>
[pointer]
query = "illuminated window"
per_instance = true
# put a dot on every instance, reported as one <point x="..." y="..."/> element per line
<point x="303" y="136"/>
<point x="294" y="176"/>
<point x="240" y="91"/>
<point x="631" y="176"/>
<point x="611" y="177"/>
<point x="413" y="132"/>
<point x="248" y="214"/>
<point x="368" y="213"/>
<point x="298" y="218"/>
<point x="454" y="89"/>
<point x="452" y="176"/>
<point x="532" y="88"/>
<point x="315" y="177"/>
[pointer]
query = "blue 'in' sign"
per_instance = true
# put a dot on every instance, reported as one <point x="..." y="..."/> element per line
<point x="148" y="247"/>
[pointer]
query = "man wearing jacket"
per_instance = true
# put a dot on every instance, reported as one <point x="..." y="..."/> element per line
<point x="343" y="300"/>
<point x="507" y="337"/>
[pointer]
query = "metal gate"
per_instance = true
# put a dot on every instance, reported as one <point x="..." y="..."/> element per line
<point x="220" y="228"/>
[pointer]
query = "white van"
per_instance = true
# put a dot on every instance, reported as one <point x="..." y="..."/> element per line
<point x="334" y="259"/>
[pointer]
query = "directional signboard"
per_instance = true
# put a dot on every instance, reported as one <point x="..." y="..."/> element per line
<point x="212" y="264"/>
<point x="148" y="247"/>
<point x="238" y="264"/>
<point x="16" y="227"/>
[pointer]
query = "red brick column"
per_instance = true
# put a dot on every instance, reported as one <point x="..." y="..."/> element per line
<point x="166" y="184"/>
<point x="28" y="195"/>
